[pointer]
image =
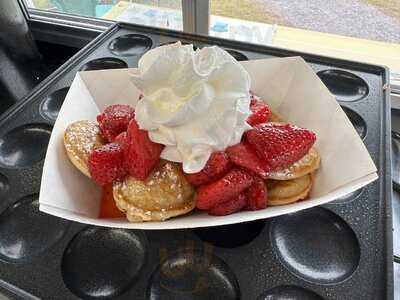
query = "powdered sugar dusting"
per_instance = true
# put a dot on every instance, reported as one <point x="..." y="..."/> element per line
<point x="81" y="138"/>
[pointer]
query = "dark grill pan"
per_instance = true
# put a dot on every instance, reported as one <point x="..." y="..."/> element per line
<point x="342" y="250"/>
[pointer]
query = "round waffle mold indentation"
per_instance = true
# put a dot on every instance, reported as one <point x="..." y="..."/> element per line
<point x="289" y="292"/>
<point x="231" y="236"/>
<point x="349" y="197"/>
<point x="25" y="232"/>
<point x="4" y="184"/>
<point x="357" y="121"/>
<point x="344" y="85"/>
<point x="182" y="42"/>
<point x="25" y="145"/>
<point x="130" y="45"/>
<point x="396" y="159"/>
<point x="103" y="64"/>
<point x="102" y="262"/>
<point x="51" y="105"/>
<point x="316" y="245"/>
<point x="194" y="275"/>
<point x="237" y="55"/>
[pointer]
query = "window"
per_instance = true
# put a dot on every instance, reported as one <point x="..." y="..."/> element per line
<point x="159" y="13"/>
<point x="367" y="30"/>
<point x="367" y="19"/>
<point x="364" y="30"/>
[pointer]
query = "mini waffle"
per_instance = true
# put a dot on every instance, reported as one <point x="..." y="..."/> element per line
<point x="163" y="195"/>
<point x="80" y="138"/>
<point x="281" y="192"/>
<point x="308" y="164"/>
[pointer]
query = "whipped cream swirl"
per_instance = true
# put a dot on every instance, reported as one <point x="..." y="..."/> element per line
<point x="194" y="102"/>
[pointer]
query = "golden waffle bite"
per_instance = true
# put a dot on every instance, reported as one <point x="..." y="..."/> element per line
<point x="281" y="192"/>
<point x="306" y="165"/>
<point x="80" y="138"/>
<point x="164" y="194"/>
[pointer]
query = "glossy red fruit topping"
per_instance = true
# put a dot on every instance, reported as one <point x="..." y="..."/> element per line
<point x="140" y="153"/>
<point x="121" y="138"/>
<point x="243" y="155"/>
<point x="280" y="145"/>
<point x="108" y="208"/>
<point x="106" y="163"/>
<point x="229" y="207"/>
<point x="217" y="166"/>
<point x="224" y="189"/>
<point x="260" y="111"/>
<point x="257" y="195"/>
<point x="114" y="120"/>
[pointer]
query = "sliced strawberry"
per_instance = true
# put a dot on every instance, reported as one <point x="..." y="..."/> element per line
<point x="106" y="163"/>
<point x="243" y="155"/>
<point x="140" y="153"/>
<point x="217" y="166"/>
<point x="229" y="207"/>
<point x="260" y="111"/>
<point x="121" y="138"/>
<point x="225" y="188"/>
<point x="257" y="195"/>
<point x="114" y="120"/>
<point x="108" y="208"/>
<point x="280" y="145"/>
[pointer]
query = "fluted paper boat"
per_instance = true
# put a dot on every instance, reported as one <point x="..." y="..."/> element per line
<point x="288" y="85"/>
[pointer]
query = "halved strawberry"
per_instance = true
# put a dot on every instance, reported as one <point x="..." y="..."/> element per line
<point x="106" y="163"/>
<point x="229" y="207"/>
<point x="257" y="195"/>
<point x="260" y="111"/>
<point x="140" y="153"/>
<point x="108" y="208"/>
<point x="114" y="120"/>
<point x="224" y="189"/>
<point x="217" y="166"/>
<point x="243" y="155"/>
<point x="280" y="145"/>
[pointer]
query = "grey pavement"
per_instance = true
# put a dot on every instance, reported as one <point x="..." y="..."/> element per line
<point x="345" y="17"/>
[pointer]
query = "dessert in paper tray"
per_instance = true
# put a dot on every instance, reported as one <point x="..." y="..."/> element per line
<point x="195" y="138"/>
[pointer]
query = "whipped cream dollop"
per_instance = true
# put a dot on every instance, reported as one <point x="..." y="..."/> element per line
<point x="194" y="102"/>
